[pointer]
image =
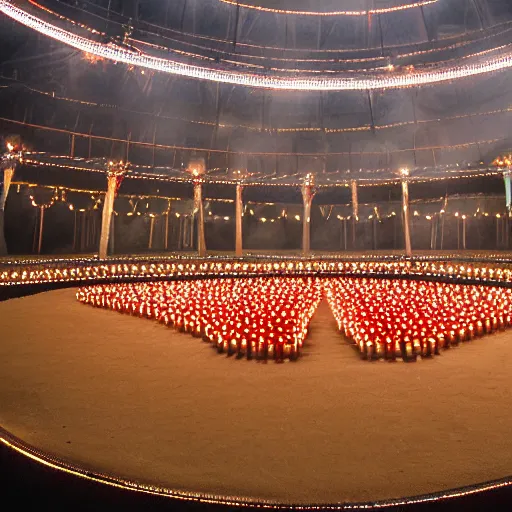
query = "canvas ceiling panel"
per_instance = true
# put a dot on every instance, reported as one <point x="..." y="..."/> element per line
<point x="307" y="164"/>
<point x="392" y="106"/>
<point x="376" y="194"/>
<point x="346" y="109"/>
<point x="341" y="32"/>
<point x="403" y="27"/>
<point x="292" y="110"/>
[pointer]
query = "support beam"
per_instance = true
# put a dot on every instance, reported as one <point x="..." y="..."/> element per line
<point x="115" y="174"/>
<point x="307" y="199"/>
<point x="508" y="190"/>
<point x="237" y="21"/>
<point x="370" y="105"/>
<point x="8" y="163"/>
<point x="199" y="211"/>
<point x="8" y="174"/>
<point x="41" y="228"/>
<point x="405" y="208"/>
<point x="151" y="232"/>
<point x="239" y="219"/>
<point x="108" y="208"/>
<point x="355" y="211"/>
<point x="464" y="232"/>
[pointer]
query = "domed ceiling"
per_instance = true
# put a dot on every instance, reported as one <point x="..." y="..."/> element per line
<point x="250" y="124"/>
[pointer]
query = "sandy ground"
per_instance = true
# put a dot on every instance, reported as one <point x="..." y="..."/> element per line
<point x="129" y="397"/>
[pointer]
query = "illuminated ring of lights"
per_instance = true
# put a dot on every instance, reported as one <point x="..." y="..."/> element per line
<point x="51" y="461"/>
<point x="118" y="54"/>
<point x="382" y="10"/>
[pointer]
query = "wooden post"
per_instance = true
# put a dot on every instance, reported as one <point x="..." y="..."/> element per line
<point x="198" y="209"/>
<point x="72" y="149"/>
<point x="151" y="230"/>
<point x="307" y="199"/>
<point x="355" y="211"/>
<point x="464" y="232"/>
<point x="108" y="207"/>
<point x="405" y="208"/>
<point x="239" y="218"/>
<point x="41" y="226"/>
<point x="8" y="174"/>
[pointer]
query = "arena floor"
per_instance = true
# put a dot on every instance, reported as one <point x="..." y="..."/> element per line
<point x="131" y="398"/>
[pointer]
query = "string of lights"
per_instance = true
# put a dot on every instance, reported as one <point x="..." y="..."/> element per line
<point x="499" y="30"/>
<point x="120" y="54"/>
<point x="492" y="272"/>
<point x="255" y="153"/>
<point x="60" y="194"/>
<point x="375" y="11"/>
<point x="51" y="461"/>
<point x="468" y="36"/>
<point x="278" y="130"/>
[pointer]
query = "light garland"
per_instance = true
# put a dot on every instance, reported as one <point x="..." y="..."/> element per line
<point x="180" y="267"/>
<point x="382" y="10"/>
<point x="12" y="157"/>
<point x="149" y="145"/>
<point x="55" y="463"/>
<point x="120" y="54"/>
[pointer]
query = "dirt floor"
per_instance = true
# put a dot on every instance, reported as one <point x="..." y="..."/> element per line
<point x="132" y="398"/>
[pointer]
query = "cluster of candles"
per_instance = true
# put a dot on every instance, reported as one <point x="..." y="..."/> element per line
<point x="269" y="317"/>
<point x="134" y="268"/>
<point x="405" y="318"/>
<point x="262" y="318"/>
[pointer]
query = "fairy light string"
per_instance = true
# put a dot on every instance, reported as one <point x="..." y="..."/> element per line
<point x="152" y="146"/>
<point x="374" y="11"/>
<point x="121" y="54"/>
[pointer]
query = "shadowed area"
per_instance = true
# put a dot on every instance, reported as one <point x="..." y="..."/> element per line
<point x="132" y="398"/>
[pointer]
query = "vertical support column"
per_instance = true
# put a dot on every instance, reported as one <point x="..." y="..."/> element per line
<point x="41" y="227"/>
<point x="198" y="209"/>
<point x="72" y="148"/>
<point x="508" y="201"/>
<point x="151" y="231"/>
<point x="307" y="199"/>
<point x="508" y="190"/>
<point x="355" y="211"/>
<point x="108" y="208"/>
<point x="405" y="208"/>
<point x="239" y="218"/>
<point x="115" y="174"/>
<point x="7" y="164"/>
<point x="8" y="174"/>
<point x="464" y="232"/>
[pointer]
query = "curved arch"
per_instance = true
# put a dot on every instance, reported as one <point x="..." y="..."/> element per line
<point x="382" y="10"/>
<point x="330" y="83"/>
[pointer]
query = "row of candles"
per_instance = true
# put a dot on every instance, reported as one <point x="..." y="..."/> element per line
<point x="80" y="270"/>
<point x="406" y="319"/>
<point x="263" y="318"/>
